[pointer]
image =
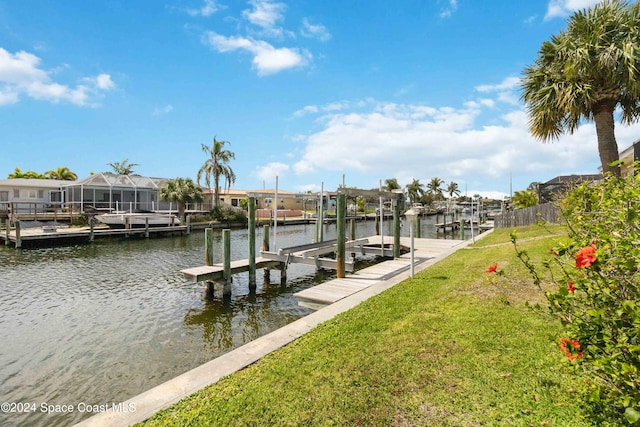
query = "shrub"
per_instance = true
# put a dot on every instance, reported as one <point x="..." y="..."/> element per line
<point x="592" y="285"/>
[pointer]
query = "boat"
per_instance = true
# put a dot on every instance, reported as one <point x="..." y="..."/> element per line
<point x="137" y="219"/>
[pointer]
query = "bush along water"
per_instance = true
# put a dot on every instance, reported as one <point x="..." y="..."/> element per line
<point x="591" y="283"/>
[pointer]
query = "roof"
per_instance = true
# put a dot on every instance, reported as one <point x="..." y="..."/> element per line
<point x="566" y="179"/>
<point x="105" y="179"/>
<point x="34" y="183"/>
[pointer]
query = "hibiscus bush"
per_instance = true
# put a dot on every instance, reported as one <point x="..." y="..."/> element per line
<point x="592" y="285"/>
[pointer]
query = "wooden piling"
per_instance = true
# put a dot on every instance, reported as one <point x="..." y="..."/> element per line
<point x="418" y="232"/>
<point x="252" y="243"/>
<point x="265" y="248"/>
<point x="352" y="229"/>
<point x="341" y="232"/>
<point x="146" y="227"/>
<point x="226" y="247"/>
<point x="208" y="246"/>
<point x="91" y="226"/>
<point x="461" y="229"/>
<point x="188" y="225"/>
<point x="7" y="229"/>
<point x="18" y="238"/>
<point x="377" y="225"/>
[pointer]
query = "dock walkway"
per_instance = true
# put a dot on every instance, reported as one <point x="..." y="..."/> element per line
<point x="334" y="290"/>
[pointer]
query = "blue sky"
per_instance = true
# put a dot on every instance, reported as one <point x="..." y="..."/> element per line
<point x="305" y="90"/>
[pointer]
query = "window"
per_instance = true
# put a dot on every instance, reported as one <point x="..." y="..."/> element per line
<point x="234" y="202"/>
<point x="16" y="193"/>
<point x="4" y="196"/>
<point x="40" y="194"/>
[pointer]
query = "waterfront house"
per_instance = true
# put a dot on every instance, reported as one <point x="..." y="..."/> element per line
<point x="31" y="195"/>
<point x="108" y="192"/>
<point x="265" y="199"/>
<point x="628" y="156"/>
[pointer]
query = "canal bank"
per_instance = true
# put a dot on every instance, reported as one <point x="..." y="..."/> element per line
<point x="146" y="404"/>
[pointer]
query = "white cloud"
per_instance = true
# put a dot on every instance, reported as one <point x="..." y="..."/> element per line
<point x="208" y="8"/>
<point x="563" y="8"/>
<point x="417" y="141"/>
<point x="506" y="84"/>
<point x="267" y="59"/>
<point x="318" y="31"/>
<point x="306" y="109"/>
<point x="269" y="171"/>
<point x="265" y="14"/>
<point x="163" y="110"/>
<point x="448" y="10"/>
<point x="20" y="74"/>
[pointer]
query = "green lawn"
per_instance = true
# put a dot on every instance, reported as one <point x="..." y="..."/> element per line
<point x="453" y="347"/>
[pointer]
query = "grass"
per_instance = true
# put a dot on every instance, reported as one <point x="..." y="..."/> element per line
<point x="453" y="347"/>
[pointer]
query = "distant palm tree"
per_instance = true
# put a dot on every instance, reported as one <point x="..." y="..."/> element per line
<point x="217" y="166"/>
<point x="435" y="187"/>
<point x="524" y="199"/>
<point x="587" y="73"/>
<point x="181" y="191"/>
<point x="391" y="184"/>
<point x="452" y="189"/>
<point x="415" y="190"/>
<point x="63" y="173"/>
<point x="123" y="168"/>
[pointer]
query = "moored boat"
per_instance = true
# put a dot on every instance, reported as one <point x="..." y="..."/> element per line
<point x="137" y="219"/>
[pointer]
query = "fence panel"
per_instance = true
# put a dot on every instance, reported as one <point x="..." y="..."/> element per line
<point x="547" y="212"/>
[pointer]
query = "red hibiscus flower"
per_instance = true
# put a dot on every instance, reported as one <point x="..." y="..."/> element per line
<point x="570" y="287"/>
<point x="570" y="348"/>
<point x="586" y="256"/>
<point x="492" y="268"/>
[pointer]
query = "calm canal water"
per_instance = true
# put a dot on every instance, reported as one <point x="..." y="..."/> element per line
<point x="96" y="324"/>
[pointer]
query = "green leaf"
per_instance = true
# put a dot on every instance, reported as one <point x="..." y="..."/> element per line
<point x="632" y="415"/>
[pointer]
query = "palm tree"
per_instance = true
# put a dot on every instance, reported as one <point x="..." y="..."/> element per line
<point x="586" y="72"/>
<point x="181" y="191"/>
<point x="391" y="184"/>
<point x="217" y="166"/>
<point x="452" y="189"/>
<point x="123" y="168"/>
<point x="415" y="190"/>
<point x="524" y="199"/>
<point x="63" y="173"/>
<point x="435" y="187"/>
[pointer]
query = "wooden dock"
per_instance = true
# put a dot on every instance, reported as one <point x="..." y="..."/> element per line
<point x="55" y="235"/>
<point x="334" y="290"/>
<point x="215" y="272"/>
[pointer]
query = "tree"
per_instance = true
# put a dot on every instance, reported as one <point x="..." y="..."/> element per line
<point x="415" y="190"/>
<point x="452" y="189"/>
<point x="435" y="187"/>
<point x="123" y="168"/>
<point x="524" y="199"/>
<point x="63" y="173"/>
<point x="181" y="191"/>
<point x="17" y="173"/>
<point x="587" y="72"/>
<point x="391" y="184"/>
<point x="217" y="166"/>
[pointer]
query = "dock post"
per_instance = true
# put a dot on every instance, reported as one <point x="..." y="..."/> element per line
<point x="418" y="232"/>
<point x="188" y="219"/>
<point x="146" y="227"/>
<point x="252" y="243"/>
<point x="7" y="229"/>
<point x="265" y="248"/>
<point x="226" y="246"/>
<point x="91" y="225"/>
<point x="341" y="232"/>
<point x="352" y="229"/>
<point x="283" y="274"/>
<point x="18" y="238"/>
<point x="396" y="227"/>
<point x="377" y="225"/>
<point x="208" y="258"/>
<point x="461" y="228"/>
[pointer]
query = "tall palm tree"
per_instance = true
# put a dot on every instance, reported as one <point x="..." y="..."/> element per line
<point x="586" y="72"/>
<point x="123" y="167"/>
<point x="217" y="166"/>
<point x="181" y="191"/>
<point x="435" y="187"/>
<point x="63" y="173"/>
<point x="452" y="189"/>
<point x="415" y="190"/>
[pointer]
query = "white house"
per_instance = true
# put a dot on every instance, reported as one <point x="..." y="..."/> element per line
<point x="26" y="194"/>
